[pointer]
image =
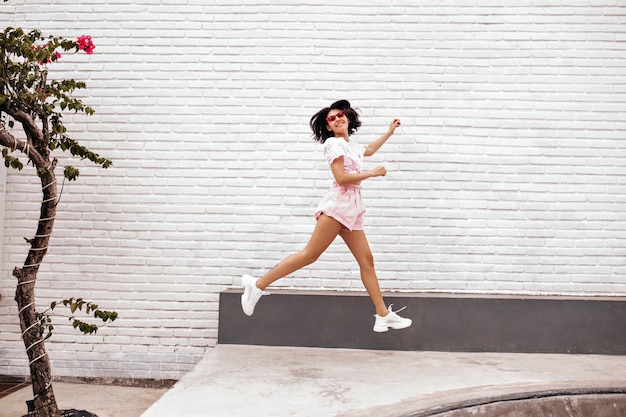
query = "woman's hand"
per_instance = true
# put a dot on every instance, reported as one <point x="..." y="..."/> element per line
<point x="379" y="171"/>
<point x="394" y="123"/>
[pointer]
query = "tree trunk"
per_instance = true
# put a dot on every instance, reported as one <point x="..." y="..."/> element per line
<point x="41" y="378"/>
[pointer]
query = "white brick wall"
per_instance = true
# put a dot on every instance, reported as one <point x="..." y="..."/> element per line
<point x="507" y="176"/>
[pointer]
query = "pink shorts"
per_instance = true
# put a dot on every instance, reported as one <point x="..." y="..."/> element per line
<point x="344" y="204"/>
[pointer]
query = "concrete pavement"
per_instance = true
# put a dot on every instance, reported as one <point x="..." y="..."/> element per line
<point x="102" y="400"/>
<point x="245" y="381"/>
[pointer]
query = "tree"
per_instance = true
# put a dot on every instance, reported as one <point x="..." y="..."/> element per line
<point x="31" y="101"/>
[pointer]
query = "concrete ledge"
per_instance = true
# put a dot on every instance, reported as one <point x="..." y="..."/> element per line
<point x="270" y="381"/>
<point x="440" y="323"/>
<point x="609" y="402"/>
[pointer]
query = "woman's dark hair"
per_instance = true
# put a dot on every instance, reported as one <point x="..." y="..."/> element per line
<point x="319" y="125"/>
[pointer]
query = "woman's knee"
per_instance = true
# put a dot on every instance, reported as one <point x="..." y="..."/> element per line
<point x="308" y="256"/>
<point x="366" y="261"/>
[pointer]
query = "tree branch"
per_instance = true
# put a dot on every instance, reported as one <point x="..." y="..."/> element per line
<point x="10" y="141"/>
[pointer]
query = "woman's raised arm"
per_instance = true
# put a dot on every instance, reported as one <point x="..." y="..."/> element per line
<point x="375" y="146"/>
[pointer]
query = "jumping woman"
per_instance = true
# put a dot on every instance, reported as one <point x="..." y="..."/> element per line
<point x="339" y="213"/>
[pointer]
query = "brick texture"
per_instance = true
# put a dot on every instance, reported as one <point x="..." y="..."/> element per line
<point x="507" y="175"/>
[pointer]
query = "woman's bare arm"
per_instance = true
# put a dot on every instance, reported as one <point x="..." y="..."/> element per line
<point x="343" y="178"/>
<point x="375" y="146"/>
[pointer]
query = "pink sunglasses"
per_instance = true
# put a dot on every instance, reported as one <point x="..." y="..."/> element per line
<point x="336" y="116"/>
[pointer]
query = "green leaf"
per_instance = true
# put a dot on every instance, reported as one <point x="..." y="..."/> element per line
<point x="71" y="173"/>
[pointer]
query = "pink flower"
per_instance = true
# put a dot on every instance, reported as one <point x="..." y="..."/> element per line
<point x="58" y="55"/>
<point x="85" y="44"/>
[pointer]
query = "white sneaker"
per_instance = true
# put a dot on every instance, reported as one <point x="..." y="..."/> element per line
<point x="251" y="294"/>
<point x="392" y="320"/>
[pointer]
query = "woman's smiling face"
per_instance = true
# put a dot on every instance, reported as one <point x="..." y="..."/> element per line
<point x="337" y="122"/>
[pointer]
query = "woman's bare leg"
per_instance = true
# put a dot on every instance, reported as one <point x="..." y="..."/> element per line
<point x="326" y="230"/>
<point x="358" y="245"/>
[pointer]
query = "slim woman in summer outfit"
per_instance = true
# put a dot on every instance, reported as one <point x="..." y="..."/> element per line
<point x="339" y="213"/>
